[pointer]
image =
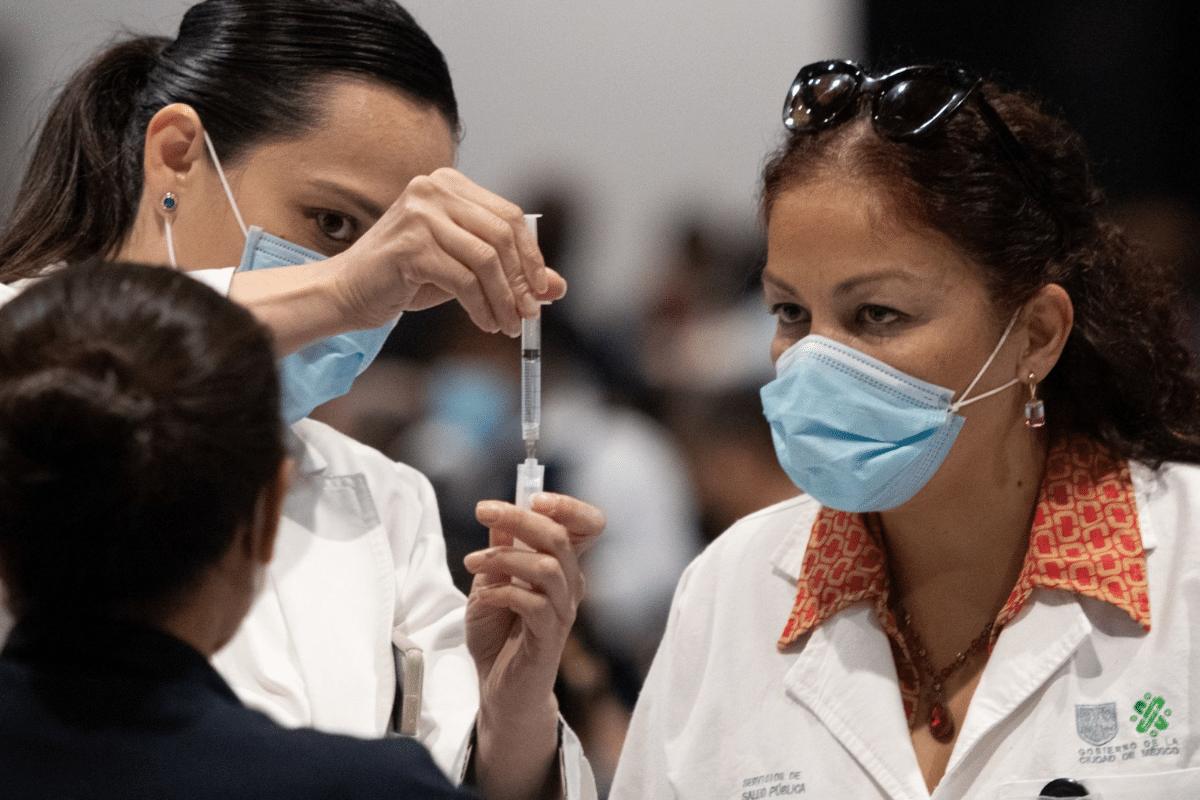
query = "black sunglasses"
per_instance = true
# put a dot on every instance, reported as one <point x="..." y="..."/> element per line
<point x="906" y="104"/>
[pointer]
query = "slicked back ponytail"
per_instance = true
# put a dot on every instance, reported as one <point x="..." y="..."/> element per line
<point x="83" y="184"/>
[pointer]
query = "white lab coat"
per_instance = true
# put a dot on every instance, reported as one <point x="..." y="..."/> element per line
<point x="359" y="553"/>
<point x="725" y="715"/>
<point x="359" y="557"/>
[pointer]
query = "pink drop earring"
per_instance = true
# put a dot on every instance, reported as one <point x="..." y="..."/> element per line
<point x="169" y="202"/>
<point x="1035" y="409"/>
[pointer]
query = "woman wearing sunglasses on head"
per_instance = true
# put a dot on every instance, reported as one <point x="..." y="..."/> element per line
<point x="142" y="465"/>
<point x="991" y="581"/>
<point x="310" y="142"/>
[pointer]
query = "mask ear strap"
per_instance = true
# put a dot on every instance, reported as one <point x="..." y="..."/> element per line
<point x="170" y="246"/>
<point x="963" y="401"/>
<point x="212" y="151"/>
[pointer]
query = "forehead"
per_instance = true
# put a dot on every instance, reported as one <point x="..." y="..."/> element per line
<point x="368" y="135"/>
<point x="826" y="233"/>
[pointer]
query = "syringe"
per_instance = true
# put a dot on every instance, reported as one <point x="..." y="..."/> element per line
<point x="531" y="384"/>
<point x="530" y="474"/>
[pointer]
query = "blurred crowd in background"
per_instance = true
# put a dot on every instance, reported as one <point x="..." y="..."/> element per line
<point x="654" y="416"/>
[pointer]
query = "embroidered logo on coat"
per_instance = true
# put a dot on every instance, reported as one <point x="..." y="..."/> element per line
<point x="1153" y="716"/>
<point x="1096" y="724"/>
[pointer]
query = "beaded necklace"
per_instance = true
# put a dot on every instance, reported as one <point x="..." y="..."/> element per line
<point x="941" y="724"/>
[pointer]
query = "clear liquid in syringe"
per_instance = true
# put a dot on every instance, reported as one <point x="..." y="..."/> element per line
<point x="531" y="384"/>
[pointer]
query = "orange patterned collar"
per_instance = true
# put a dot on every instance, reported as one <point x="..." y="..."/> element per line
<point x="1085" y="539"/>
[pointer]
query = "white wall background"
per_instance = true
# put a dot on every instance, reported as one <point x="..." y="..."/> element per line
<point x="648" y="107"/>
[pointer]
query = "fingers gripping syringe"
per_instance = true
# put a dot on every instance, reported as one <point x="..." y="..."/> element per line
<point x="530" y="474"/>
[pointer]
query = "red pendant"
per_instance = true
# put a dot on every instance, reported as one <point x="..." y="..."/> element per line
<point x="941" y="724"/>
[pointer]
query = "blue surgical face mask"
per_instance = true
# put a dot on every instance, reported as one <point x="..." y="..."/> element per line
<point x="326" y="368"/>
<point x="855" y="433"/>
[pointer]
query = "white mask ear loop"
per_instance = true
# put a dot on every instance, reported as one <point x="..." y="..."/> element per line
<point x="170" y="246"/>
<point x="954" y="407"/>
<point x="212" y="151"/>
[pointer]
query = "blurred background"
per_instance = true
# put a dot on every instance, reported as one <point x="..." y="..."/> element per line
<point x="638" y="130"/>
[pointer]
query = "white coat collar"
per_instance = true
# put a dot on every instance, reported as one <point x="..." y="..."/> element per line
<point x="846" y="677"/>
<point x="309" y="459"/>
<point x="1031" y="648"/>
<point x="788" y="557"/>
<point x="1147" y="485"/>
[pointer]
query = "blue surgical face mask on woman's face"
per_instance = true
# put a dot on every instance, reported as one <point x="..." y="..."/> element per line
<point x="855" y="433"/>
<point x="326" y="368"/>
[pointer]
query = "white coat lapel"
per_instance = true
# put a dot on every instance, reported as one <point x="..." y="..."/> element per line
<point x="333" y="574"/>
<point x="1029" y="651"/>
<point x="847" y="678"/>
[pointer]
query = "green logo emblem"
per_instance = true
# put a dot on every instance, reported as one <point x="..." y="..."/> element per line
<point x="1153" y="716"/>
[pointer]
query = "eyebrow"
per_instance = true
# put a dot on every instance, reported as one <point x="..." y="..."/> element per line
<point x="767" y="277"/>
<point x="849" y="284"/>
<point x="373" y="209"/>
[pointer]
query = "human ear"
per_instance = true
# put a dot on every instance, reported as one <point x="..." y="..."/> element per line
<point x="174" y="152"/>
<point x="1049" y="315"/>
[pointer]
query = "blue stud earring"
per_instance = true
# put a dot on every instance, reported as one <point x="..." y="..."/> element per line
<point x="169" y="201"/>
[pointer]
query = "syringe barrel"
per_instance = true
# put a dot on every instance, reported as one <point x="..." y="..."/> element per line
<point x="531" y="370"/>
<point x="531" y="378"/>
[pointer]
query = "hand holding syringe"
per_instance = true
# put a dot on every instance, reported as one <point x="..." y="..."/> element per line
<point x="524" y="597"/>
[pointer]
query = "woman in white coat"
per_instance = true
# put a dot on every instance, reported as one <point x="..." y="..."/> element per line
<point x="992" y="580"/>
<point x="309" y="144"/>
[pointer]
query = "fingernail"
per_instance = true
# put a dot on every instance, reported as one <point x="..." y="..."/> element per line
<point x="473" y="560"/>
<point x="542" y="502"/>
<point x="488" y="512"/>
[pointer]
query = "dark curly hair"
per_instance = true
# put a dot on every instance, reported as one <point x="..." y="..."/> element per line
<point x="1124" y="376"/>
<point x="139" y="423"/>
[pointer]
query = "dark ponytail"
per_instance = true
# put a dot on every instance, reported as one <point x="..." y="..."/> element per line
<point x="139" y="422"/>
<point x="252" y="69"/>
<point x="82" y="187"/>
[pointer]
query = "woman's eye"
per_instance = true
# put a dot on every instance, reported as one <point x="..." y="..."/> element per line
<point x="789" y="313"/>
<point x="878" y="315"/>
<point x="337" y="227"/>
